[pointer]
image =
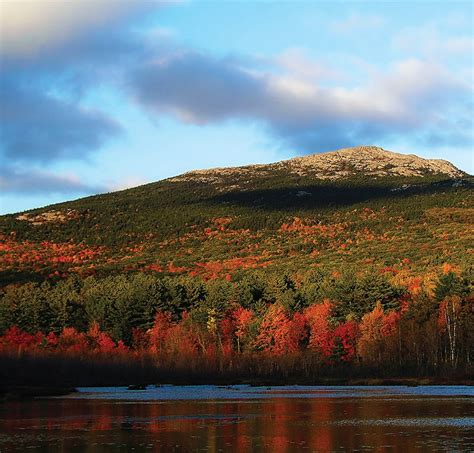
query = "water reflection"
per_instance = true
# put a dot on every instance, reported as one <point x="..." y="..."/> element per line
<point x="392" y="423"/>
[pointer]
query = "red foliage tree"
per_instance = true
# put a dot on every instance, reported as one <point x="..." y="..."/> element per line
<point x="72" y="341"/>
<point x="242" y="320"/>
<point x="100" y="341"/>
<point x="227" y="335"/>
<point x="19" y="340"/>
<point x="159" y="332"/>
<point x="345" y="340"/>
<point x="140" y="340"/>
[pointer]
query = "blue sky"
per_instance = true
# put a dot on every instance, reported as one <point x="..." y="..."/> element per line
<point x="99" y="95"/>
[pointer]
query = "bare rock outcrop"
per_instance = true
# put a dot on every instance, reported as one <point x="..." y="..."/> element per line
<point x="370" y="161"/>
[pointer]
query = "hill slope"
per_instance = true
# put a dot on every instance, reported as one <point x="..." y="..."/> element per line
<point x="363" y="206"/>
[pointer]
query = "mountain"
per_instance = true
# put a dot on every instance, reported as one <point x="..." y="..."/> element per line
<point x="361" y="206"/>
<point x="371" y="161"/>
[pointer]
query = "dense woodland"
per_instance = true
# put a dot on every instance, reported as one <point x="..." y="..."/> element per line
<point x="356" y="279"/>
<point x="261" y="325"/>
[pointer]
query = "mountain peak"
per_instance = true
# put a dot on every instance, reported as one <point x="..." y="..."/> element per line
<point x="370" y="161"/>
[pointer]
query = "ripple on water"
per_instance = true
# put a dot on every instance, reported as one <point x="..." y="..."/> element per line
<point x="459" y="422"/>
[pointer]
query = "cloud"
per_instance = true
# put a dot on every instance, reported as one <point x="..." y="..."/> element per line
<point x="298" y="64"/>
<point x="35" y="182"/>
<point x="357" y="22"/>
<point x="54" y="53"/>
<point x="197" y="88"/>
<point x="410" y="97"/>
<point x="41" y="128"/>
<point x="29" y="27"/>
<point x="77" y="62"/>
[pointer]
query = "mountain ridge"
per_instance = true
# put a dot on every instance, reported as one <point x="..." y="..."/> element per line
<point x="338" y="164"/>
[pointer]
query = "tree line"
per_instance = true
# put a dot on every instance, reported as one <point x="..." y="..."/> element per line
<point x="265" y="323"/>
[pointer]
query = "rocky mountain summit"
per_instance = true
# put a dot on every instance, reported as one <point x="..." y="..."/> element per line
<point x="371" y="161"/>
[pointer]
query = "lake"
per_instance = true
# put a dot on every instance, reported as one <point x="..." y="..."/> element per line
<point x="243" y="419"/>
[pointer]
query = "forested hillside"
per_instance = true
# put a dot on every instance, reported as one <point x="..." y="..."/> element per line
<point x="368" y="268"/>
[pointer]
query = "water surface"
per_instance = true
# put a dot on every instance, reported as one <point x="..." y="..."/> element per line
<point x="243" y="419"/>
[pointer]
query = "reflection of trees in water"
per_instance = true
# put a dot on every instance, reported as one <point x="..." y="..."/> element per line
<point x="277" y="425"/>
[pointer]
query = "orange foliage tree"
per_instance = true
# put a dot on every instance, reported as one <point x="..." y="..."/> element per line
<point x="378" y="335"/>
<point x="280" y="333"/>
<point x="317" y="317"/>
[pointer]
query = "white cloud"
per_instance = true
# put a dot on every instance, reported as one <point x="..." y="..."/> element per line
<point x="300" y="65"/>
<point x="30" y="26"/>
<point x="412" y="97"/>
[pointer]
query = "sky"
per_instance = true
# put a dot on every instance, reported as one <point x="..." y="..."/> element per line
<point x="102" y="95"/>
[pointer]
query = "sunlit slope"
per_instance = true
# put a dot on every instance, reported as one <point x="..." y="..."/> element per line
<point x="363" y="206"/>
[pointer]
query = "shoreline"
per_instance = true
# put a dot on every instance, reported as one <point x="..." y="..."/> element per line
<point x="20" y="393"/>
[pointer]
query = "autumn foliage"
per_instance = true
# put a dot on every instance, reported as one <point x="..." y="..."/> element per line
<point x="306" y="324"/>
